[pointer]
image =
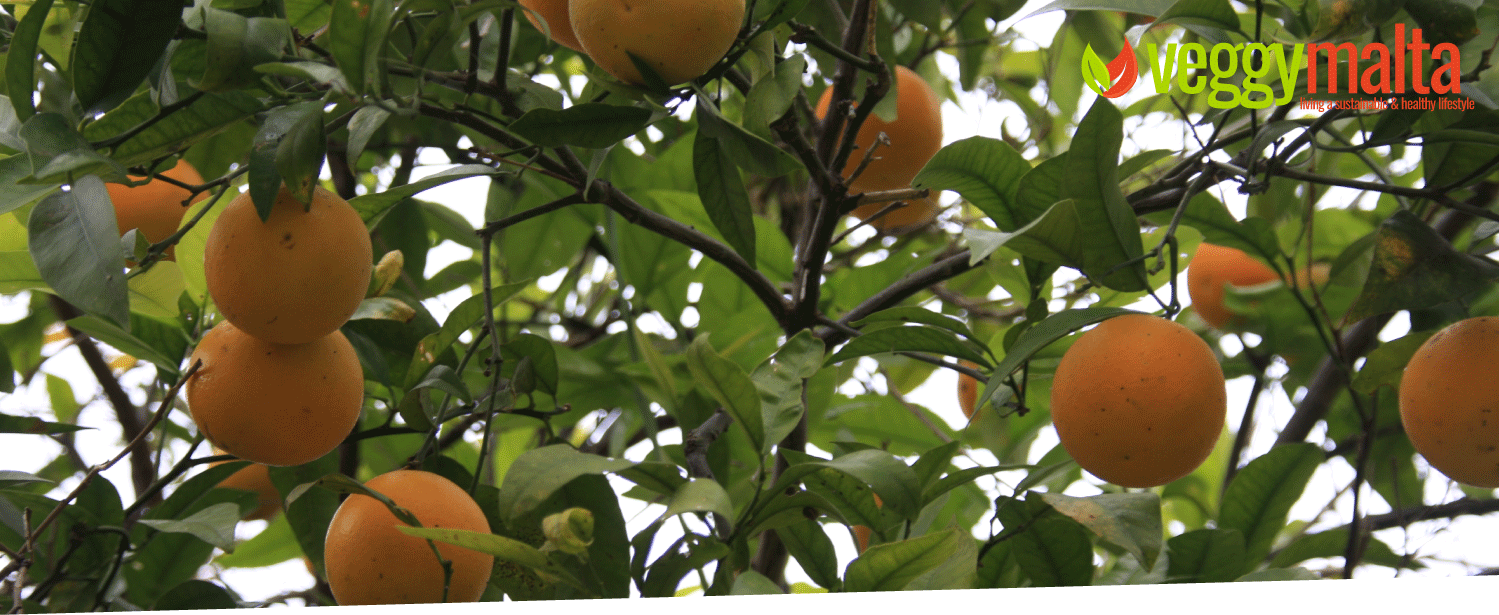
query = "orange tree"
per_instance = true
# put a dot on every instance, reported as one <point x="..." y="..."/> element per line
<point x="654" y="298"/>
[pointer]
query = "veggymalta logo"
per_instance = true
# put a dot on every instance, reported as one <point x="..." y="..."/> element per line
<point x="1111" y="80"/>
<point x="1243" y="74"/>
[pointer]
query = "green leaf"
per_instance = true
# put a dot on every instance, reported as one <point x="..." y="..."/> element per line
<point x="701" y="495"/>
<point x="808" y="542"/>
<point x="236" y="45"/>
<point x="727" y="383"/>
<point x="213" y="525"/>
<point x="273" y="545"/>
<point x="372" y="207"/>
<point x="742" y="147"/>
<point x="1414" y="268"/>
<point x="1334" y="543"/>
<point x="1259" y="498"/>
<point x="590" y="125"/>
<point x="960" y="571"/>
<point x="890" y="566"/>
<point x="504" y="549"/>
<point x="538" y="473"/>
<point x="1129" y="520"/>
<point x="357" y="31"/>
<point x="985" y="172"/>
<point x="20" y="60"/>
<point x="770" y="98"/>
<point x="13" y="193"/>
<point x="723" y="194"/>
<point x="76" y="246"/>
<point x="894" y="481"/>
<point x="1039" y="336"/>
<point x="300" y="152"/>
<point x="1218" y="14"/>
<point x="916" y="314"/>
<point x="1212" y="218"/>
<point x="1092" y="171"/>
<point x="195" y="594"/>
<point x="915" y="338"/>
<point x="58" y="153"/>
<point x="750" y="583"/>
<point x="366" y="121"/>
<point x="1052" y="549"/>
<point x="311" y="512"/>
<point x="126" y="342"/>
<point x="1206" y="556"/>
<point x="11" y="478"/>
<point x="118" y="44"/>
<point x="204" y="117"/>
<point x="34" y="425"/>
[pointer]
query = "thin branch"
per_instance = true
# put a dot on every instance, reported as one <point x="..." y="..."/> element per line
<point x="125" y="411"/>
<point x="944" y="269"/>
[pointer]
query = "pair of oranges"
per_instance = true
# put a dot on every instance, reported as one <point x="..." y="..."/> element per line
<point x="280" y="385"/>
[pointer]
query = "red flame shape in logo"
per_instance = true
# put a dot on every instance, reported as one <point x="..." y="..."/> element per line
<point x="1124" y="70"/>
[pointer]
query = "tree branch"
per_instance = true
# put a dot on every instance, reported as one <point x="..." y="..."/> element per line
<point x="129" y="417"/>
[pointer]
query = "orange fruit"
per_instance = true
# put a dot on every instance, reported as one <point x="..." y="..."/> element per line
<point x="968" y="390"/>
<point x="1139" y="401"/>
<point x="1211" y="268"/>
<point x="294" y="278"/>
<point x="256" y="478"/>
<point x="1448" y="405"/>
<point x="369" y="561"/>
<point x="679" y="39"/>
<point x="915" y="136"/>
<point x="156" y="207"/>
<point x="559" y="24"/>
<point x="275" y="404"/>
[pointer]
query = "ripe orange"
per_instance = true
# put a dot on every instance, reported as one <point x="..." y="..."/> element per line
<point x="274" y="404"/>
<point x="1211" y="268"/>
<point x="1448" y="403"/>
<point x="369" y="561"/>
<point x="155" y="208"/>
<point x="1139" y="400"/>
<point x="968" y="390"/>
<point x="915" y="136"/>
<point x="256" y="478"/>
<point x="679" y="39"/>
<point x="555" y="14"/>
<point x="294" y="278"/>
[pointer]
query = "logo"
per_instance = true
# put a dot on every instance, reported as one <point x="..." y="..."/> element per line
<point x="1245" y="74"/>
<point x="1115" y="78"/>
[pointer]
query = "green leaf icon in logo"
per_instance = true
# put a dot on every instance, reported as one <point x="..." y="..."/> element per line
<point x="1111" y="80"/>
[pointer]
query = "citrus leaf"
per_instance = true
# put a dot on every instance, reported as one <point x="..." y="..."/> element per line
<point x="727" y="383"/>
<point x="538" y="473"/>
<point x="213" y="525"/>
<point x="890" y="566"/>
<point x="76" y="246"/>
<point x="118" y="44"/>
<point x="1206" y="556"/>
<point x="1259" y="498"/>
<point x="1129" y="520"/>
<point x="985" y="172"/>
<point x="915" y="338"/>
<point x="590" y="125"/>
